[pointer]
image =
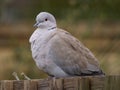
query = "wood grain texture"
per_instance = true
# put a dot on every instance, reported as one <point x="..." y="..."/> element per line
<point x="6" y="85"/>
<point x="69" y="83"/>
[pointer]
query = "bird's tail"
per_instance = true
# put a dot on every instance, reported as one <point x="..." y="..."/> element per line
<point x="93" y="73"/>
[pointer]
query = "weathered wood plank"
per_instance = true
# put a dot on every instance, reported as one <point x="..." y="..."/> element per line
<point x="112" y="83"/>
<point x="18" y="85"/>
<point x="45" y="84"/>
<point x="30" y="85"/>
<point x="71" y="83"/>
<point x="58" y="84"/>
<point x="84" y="83"/>
<point x="97" y="83"/>
<point x="0" y="85"/>
<point x="6" y="85"/>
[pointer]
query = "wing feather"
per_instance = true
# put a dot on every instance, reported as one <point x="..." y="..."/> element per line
<point x="71" y="55"/>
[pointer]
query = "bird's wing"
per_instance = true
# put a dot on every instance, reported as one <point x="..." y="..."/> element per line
<point x="71" y="55"/>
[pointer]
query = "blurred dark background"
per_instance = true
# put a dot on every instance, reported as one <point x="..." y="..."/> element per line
<point x="96" y="23"/>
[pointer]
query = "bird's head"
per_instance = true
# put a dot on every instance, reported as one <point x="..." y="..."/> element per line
<point x="45" y="20"/>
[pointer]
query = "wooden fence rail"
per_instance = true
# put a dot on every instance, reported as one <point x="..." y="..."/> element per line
<point x="71" y="83"/>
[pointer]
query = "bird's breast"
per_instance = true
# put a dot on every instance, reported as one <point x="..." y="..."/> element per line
<point x="39" y="44"/>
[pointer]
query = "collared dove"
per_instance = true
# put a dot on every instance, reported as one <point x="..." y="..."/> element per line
<point x="58" y="53"/>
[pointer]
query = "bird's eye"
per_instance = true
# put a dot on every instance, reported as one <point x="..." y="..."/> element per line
<point x="46" y="19"/>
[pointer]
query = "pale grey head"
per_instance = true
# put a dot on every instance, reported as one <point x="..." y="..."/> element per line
<point x="45" y="20"/>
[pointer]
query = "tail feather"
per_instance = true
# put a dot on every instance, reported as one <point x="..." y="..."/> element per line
<point x="93" y="73"/>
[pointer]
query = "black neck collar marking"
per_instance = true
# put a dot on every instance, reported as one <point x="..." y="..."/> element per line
<point x="52" y="28"/>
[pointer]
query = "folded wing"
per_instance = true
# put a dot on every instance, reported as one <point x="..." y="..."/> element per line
<point x="71" y="55"/>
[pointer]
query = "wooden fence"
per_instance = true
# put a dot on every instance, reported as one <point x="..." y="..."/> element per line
<point x="71" y="83"/>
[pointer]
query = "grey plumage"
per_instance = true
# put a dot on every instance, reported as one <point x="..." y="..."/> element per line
<point x="58" y="53"/>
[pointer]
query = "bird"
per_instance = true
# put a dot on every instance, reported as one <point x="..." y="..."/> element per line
<point x="58" y="53"/>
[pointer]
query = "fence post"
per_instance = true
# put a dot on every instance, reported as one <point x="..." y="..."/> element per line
<point x="69" y="83"/>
